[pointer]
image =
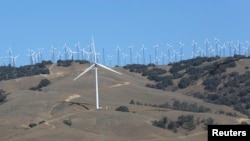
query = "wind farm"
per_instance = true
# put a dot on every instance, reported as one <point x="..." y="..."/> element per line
<point x="70" y="99"/>
<point x="123" y="70"/>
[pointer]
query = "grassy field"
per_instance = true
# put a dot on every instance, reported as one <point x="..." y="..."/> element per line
<point x="74" y="101"/>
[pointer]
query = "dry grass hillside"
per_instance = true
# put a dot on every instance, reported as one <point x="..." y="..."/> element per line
<point x="65" y="109"/>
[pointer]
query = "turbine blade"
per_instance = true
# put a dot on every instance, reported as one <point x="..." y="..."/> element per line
<point x="109" y="69"/>
<point x="85" y="71"/>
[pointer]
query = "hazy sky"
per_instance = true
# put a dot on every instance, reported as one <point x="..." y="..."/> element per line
<point x="33" y="24"/>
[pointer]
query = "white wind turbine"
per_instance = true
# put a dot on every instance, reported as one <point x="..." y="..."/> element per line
<point x="181" y="51"/>
<point x="216" y="45"/>
<point x="206" y="42"/>
<point x="168" y="47"/>
<point x="124" y="58"/>
<point x="96" y="74"/>
<point x="110" y="59"/>
<point x="137" y="56"/>
<point x="143" y="54"/>
<point x="130" y="53"/>
<point x="71" y="53"/>
<point x="10" y="54"/>
<point x="248" y="48"/>
<point x="156" y="48"/>
<point x="118" y="49"/>
<point x="14" y="60"/>
<point x="230" y="47"/>
<point x="194" y="49"/>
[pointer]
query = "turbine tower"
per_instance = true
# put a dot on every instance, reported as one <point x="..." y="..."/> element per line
<point x="95" y="65"/>
<point x="39" y="55"/>
<point x="110" y="59"/>
<point x="248" y="47"/>
<point x="66" y="53"/>
<point x="169" y="57"/>
<point x="78" y="50"/>
<point x="59" y="55"/>
<point x="156" y="48"/>
<point x="194" y="49"/>
<point x="216" y="46"/>
<point x="118" y="55"/>
<point x="137" y="56"/>
<point x="239" y="47"/>
<point x="124" y="58"/>
<point x="31" y="55"/>
<point x="181" y="51"/>
<point x="143" y="54"/>
<point x="14" y="60"/>
<point x="103" y="57"/>
<point x="10" y="55"/>
<point x="230" y="47"/>
<point x="206" y="42"/>
<point x="53" y="54"/>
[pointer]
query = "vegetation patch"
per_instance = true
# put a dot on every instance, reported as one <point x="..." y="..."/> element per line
<point x="122" y="109"/>
<point x="177" y="105"/>
<point x="187" y="122"/>
<point x="67" y="122"/>
<point x="43" y="83"/>
<point x="3" y="96"/>
<point x="9" y="72"/>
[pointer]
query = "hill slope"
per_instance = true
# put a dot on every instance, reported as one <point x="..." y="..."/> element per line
<point x="65" y="109"/>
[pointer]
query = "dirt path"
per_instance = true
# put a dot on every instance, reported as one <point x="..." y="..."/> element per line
<point x="74" y="96"/>
<point x="119" y="85"/>
<point x="240" y="120"/>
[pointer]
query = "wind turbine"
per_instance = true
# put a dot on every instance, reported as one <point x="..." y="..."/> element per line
<point x="110" y="59"/>
<point x="95" y="65"/>
<point x="156" y="48"/>
<point x="103" y="57"/>
<point x="169" y="57"/>
<point x="248" y="47"/>
<point x="39" y="55"/>
<point x="163" y="58"/>
<point x="53" y="53"/>
<point x="137" y="56"/>
<point x="124" y="58"/>
<point x="59" y="55"/>
<point x="130" y="53"/>
<point x="78" y="51"/>
<point x="230" y="47"/>
<point x="10" y="55"/>
<point x="206" y="44"/>
<point x="14" y="60"/>
<point x="66" y="53"/>
<point x="31" y="55"/>
<point x="216" y="45"/>
<point x="181" y="48"/>
<point x="71" y="53"/>
<point x="194" y="48"/>
<point x="143" y="54"/>
<point x="239" y="47"/>
<point x="118" y="49"/>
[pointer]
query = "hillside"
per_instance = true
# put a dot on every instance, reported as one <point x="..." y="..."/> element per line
<point x="65" y="109"/>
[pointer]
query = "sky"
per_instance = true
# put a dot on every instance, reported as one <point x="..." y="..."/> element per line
<point x="41" y="24"/>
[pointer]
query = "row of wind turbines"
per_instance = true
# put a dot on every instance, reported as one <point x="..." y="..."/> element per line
<point x="217" y="50"/>
<point x="137" y="55"/>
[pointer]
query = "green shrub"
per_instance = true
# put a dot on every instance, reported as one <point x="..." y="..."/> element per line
<point x="67" y="122"/>
<point x="122" y="109"/>
<point x="160" y="123"/>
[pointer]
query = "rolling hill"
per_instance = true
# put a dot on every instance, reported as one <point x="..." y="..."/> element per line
<point x="173" y="102"/>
